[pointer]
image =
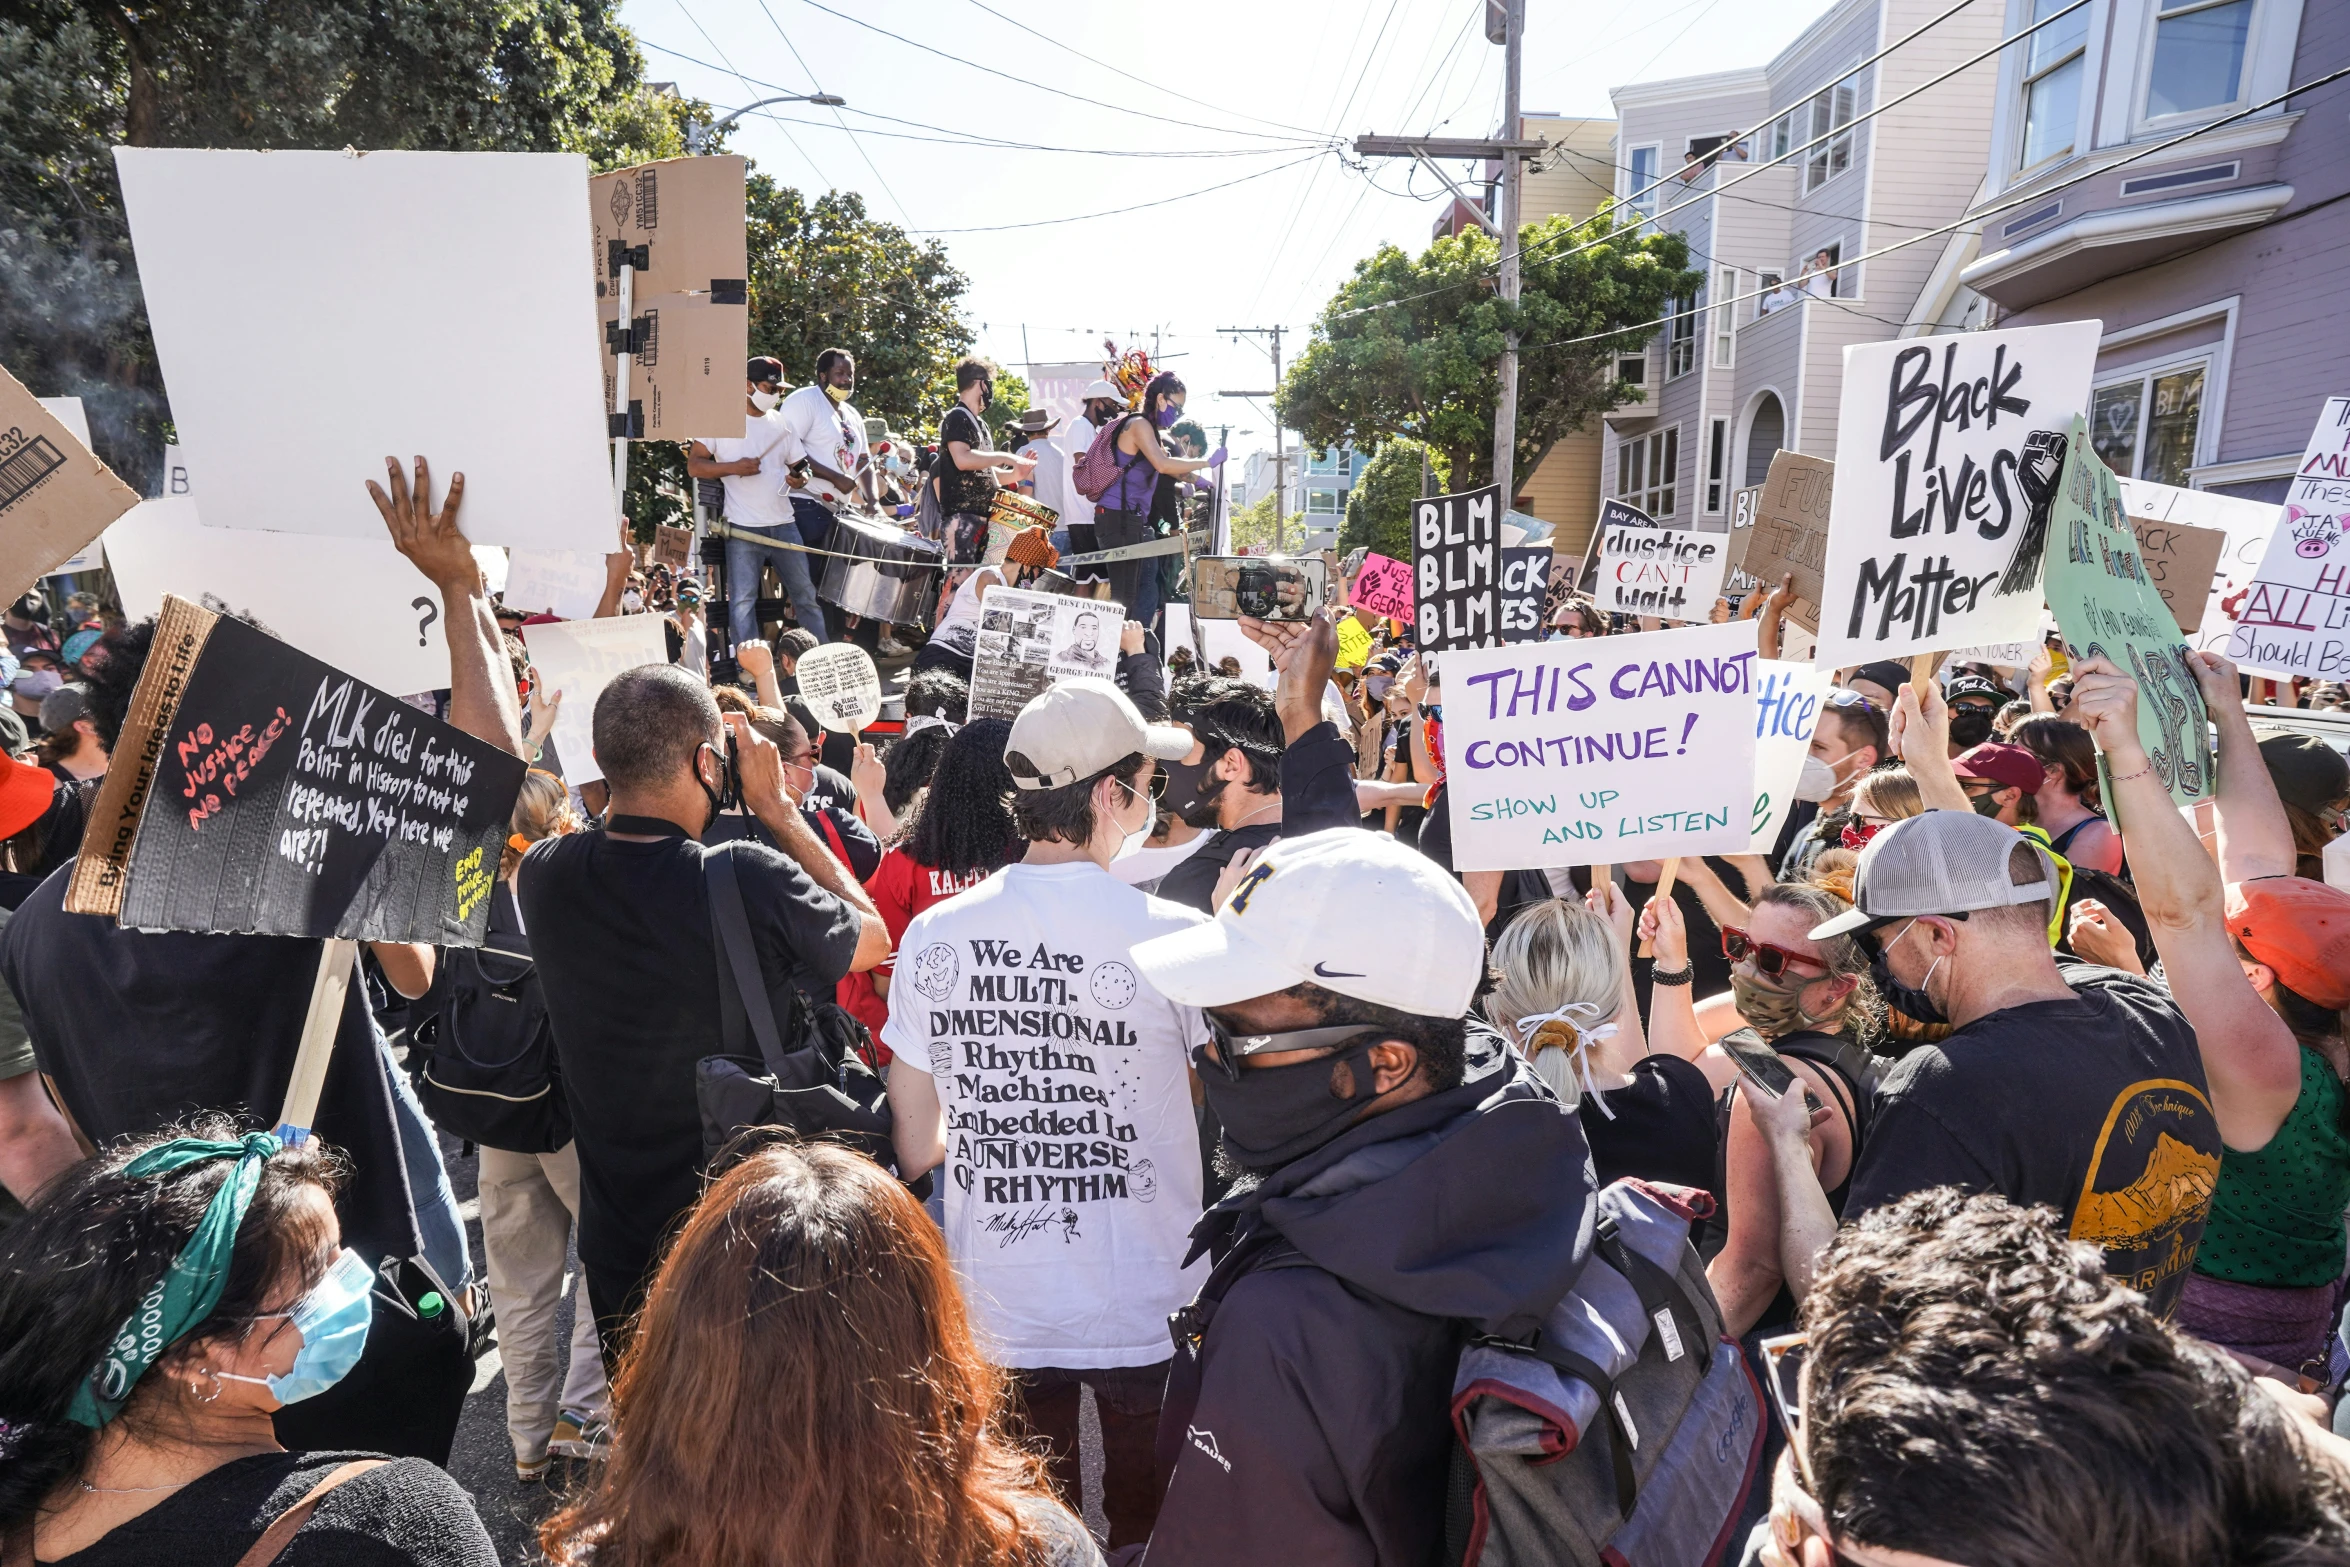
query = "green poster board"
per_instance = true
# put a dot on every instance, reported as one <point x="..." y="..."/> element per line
<point x="2104" y="603"/>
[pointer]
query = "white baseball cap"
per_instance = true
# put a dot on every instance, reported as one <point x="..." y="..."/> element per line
<point x="1076" y="728"/>
<point x="1291" y="920"/>
<point x="1107" y="390"/>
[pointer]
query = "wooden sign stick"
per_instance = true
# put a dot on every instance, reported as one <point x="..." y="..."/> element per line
<point x="1921" y="670"/>
<point x="1664" y="889"/>
<point x="336" y="959"/>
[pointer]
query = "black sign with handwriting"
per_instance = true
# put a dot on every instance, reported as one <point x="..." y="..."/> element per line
<point x="263" y="791"/>
<point x="1456" y="567"/>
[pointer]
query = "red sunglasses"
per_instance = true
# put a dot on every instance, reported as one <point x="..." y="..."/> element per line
<point x="1739" y="947"/>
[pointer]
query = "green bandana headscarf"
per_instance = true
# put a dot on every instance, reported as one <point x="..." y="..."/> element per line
<point x="190" y="1287"/>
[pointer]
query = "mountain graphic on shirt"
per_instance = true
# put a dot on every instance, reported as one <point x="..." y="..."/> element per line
<point x="2174" y="1189"/>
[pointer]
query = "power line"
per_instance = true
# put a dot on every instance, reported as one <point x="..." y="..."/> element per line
<point x="911" y="43"/>
<point x="749" y="86"/>
<point x="949" y="136"/>
<point x="1130" y="76"/>
<point x="1656" y="220"/>
<point x="882" y="178"/>
<point x="1087" y="217"/>
<point x="2039" y="194"/>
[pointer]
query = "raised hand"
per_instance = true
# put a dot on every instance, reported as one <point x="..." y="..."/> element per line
<point x="431" y="540"/>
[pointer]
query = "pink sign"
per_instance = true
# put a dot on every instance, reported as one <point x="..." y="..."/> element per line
<point x="1384" y="587"/>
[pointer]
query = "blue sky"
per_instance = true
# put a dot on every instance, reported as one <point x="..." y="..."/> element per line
<point x="1223" y="93"/>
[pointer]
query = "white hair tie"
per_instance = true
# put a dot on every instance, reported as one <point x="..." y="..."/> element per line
<point x="921" y="721"/>
<point x="1567" y="1030"/>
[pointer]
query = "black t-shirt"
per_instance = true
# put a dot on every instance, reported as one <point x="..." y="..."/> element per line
<point x="856" y="845"/>
<point x="142" y="1028"/>
<point x="405" y="1514"/>
<point x="1192" y="882"/>
<point x="972" y="491"/>
<point x="621" y="933"/>
<point x="2095" y="1106"/>
<point x="1662" y="1126"/>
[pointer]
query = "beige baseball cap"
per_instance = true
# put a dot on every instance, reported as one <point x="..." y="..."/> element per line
<point x="1079" y="727"/>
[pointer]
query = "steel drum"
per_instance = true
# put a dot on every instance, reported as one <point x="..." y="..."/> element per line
<point x="882" y="572"/>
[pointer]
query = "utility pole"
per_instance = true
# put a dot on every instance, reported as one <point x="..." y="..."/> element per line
<point x="1505" y="24"/>
<point x="1512" y="17"/>
<point x="1280" y="451"/>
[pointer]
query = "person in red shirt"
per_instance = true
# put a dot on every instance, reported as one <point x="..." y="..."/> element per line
<point x="962" y="834"/>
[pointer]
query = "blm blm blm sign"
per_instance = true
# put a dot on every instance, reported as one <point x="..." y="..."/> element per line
<point x="1456" y="563"/>
<point x="1937" y="522"/>
<point x="257" y="790"/>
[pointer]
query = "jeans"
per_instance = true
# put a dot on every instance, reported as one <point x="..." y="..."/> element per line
<point x="743" y="561"/>
<point x="1133" y="583"/>
<point x="529" y="1203"/>
<point x="1127" y="1398"/>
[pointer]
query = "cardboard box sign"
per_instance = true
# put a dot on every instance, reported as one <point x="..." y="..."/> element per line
<point x="690" y="299"/>
<point x="2247" y="526"/>
<point x="673" y="547"/>
<point x="1456" y="558"/>
<point x="2182" y="561"/>
<point x="1790" y="532"/>
<point x="55" y="497"/>
<point x="256" y="790"/>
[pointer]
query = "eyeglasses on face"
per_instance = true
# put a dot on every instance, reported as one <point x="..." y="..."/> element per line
<point x="1739" y="947"/>
<point x="1225" y="1047"/>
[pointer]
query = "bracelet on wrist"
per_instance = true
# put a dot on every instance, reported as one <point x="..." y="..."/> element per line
<point x="2122" y="778"/>
<point x="1685" y="974"/>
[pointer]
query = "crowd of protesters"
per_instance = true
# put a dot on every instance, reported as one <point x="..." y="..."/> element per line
<point x="1218" y="1103"/>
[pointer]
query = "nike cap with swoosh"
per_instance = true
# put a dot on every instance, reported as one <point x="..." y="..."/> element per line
<point x="1295" y="918"/>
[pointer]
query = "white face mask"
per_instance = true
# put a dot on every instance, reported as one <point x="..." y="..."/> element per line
<point x="763" y="401"/>
<point x="1816" y="782"/>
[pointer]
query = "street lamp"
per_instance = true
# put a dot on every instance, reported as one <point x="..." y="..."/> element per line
<point x="699" y="137"/>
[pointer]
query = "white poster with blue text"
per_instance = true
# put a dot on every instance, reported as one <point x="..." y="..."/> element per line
<point x="1582" y="752"/>
<point x="1787" y="701"/>
<point x="1933" y="538"/>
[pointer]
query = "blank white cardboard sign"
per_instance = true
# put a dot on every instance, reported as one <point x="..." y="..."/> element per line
<point x="316" y="312"/>
<point x="568" y="583"/>
<point x="578" y="658"/>
<point x="354" y="603"/>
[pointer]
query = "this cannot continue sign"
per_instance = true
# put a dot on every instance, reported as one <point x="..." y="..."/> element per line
<point x="1456" y="557"/>
<point x="258" y="790"/>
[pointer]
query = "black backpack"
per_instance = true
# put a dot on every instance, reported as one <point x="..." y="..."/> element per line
<point x="481" y="1051"/>
<point x="818" y="1086"/>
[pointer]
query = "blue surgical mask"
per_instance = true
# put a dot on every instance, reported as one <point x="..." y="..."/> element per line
<point x="332" y="1320"/>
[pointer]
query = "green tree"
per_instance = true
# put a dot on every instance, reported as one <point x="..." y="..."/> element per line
<point x="1252" y="526"/>
<point x="79" y="76"/>
<point x="825" y="275"/>
<point x="1411" y="346"/>
<point x="1379" y="507"/>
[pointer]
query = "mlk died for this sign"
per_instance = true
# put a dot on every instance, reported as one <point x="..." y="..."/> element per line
<point x="1937" y="523"/>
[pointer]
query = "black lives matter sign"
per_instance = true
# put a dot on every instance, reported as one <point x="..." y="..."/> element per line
<point x="257" y="790"/>
<point x="1936" y="525"/>
<point x="1456" y="569"/>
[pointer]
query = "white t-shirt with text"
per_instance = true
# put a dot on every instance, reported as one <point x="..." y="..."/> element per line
<point x="1072" y="1175"/>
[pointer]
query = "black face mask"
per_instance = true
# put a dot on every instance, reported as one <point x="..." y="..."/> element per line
<point x="1182" y="793"/>
<point x="1909" y="1003"/>
<point x="1278" y="1113"/>
<point x="1970" y="726"/>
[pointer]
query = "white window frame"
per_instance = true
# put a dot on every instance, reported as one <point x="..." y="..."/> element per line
<point x="1330" y="510"/>
<point x="1648" y="471"/>
<point x="1725" y="318"/>
<point x="1842" y="95"/>
<point x="2143" y="86"/>
<point x="1717" y="466"/>
<point x="2025" y="76"/>
<point x="1644" y="204"/>
<point x="2218" y="358"/>
<point x="1680" y="336"/>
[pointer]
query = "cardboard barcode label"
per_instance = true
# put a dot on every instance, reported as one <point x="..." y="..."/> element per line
<point x="27" y="466"/>
<point x="1670" y="1331"/>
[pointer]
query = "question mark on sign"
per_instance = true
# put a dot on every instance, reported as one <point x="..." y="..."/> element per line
<point x="432" y="612"/>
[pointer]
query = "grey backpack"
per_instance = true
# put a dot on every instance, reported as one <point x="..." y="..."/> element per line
<point x="1628" y="1432"/>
